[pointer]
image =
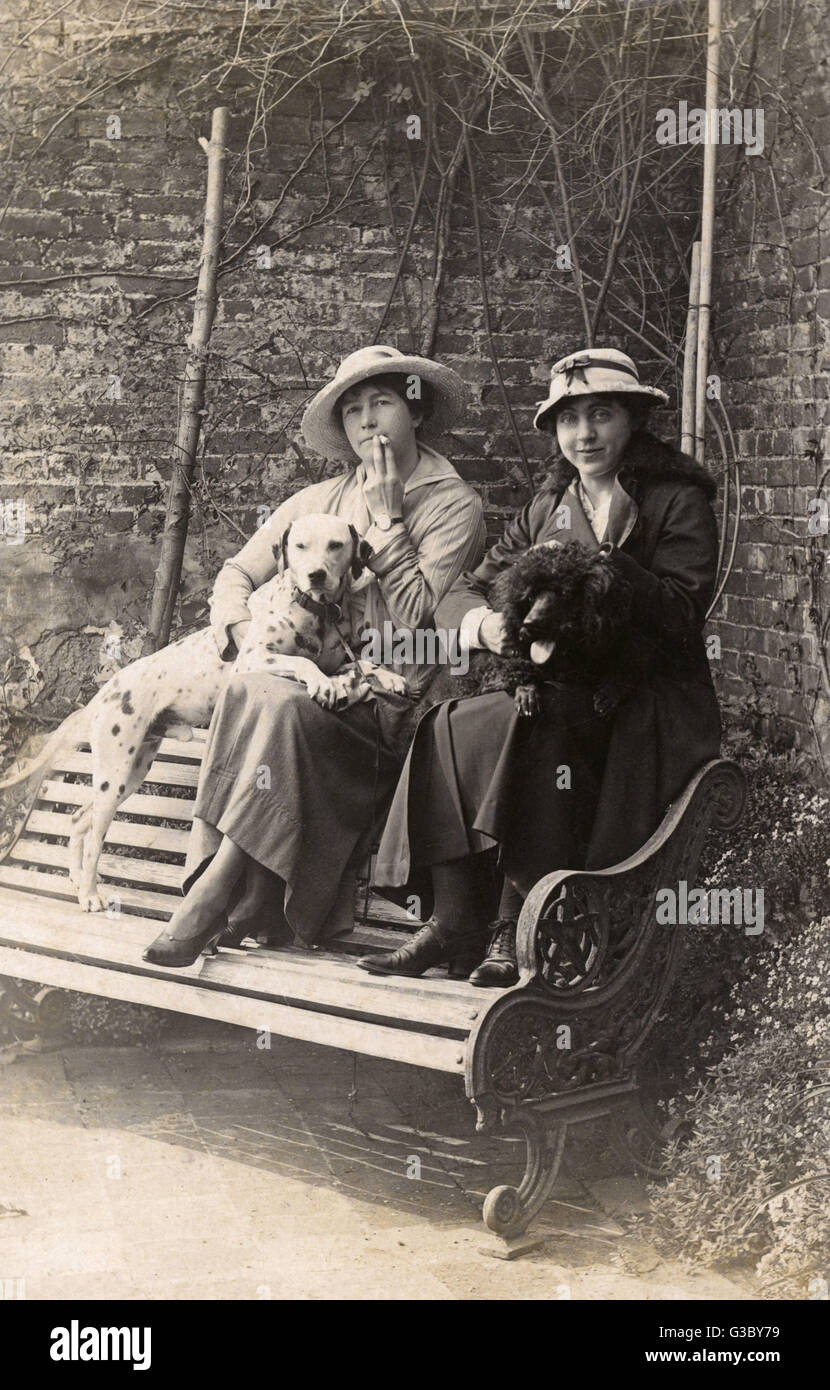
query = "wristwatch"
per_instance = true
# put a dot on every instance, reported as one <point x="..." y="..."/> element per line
<point x="385" y="522"/>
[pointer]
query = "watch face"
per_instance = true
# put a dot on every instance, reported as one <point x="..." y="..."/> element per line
<point x="384" y="521"/>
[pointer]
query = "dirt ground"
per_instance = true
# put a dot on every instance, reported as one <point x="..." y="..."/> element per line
<point x="202" y="1167"/>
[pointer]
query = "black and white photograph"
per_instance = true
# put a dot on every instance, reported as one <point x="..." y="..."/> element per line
<point x="415" y="662"/>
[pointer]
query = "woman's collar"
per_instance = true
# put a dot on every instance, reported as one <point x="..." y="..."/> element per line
<point x="622" y="512"/>
<point x="431" y="467"/>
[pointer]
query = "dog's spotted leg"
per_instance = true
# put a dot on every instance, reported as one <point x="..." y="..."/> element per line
<point x="117" y="773"/>
<point x="80" y="826"/>
<point x="103" y="810"/>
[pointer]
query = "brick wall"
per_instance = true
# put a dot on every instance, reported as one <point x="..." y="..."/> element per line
<point x="90" y="366"/>
<point x="771" y="331"/>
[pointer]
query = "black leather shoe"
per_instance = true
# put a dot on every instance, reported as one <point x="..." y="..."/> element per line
<point x="499" y="967"/>
<point x="425" y="949"/>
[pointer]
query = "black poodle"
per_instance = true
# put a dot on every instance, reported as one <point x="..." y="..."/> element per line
<point x="566" y="612"/>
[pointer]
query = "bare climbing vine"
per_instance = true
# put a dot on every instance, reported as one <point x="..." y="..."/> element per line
<point x="535" y="143"/>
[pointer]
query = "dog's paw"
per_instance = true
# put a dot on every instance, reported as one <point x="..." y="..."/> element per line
<point x="350" y="689"/>
<point x="527" y="700"/>
<point x="91" y="901"/>
<point x="390" y="681"/>
<point x="183" y="732"/>
<point x="322" y="690"/>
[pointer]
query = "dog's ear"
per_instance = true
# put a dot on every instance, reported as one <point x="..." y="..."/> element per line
<point x="361" y="553"/>
<point x="280" y="551"/>
<point x="606" y="601"/>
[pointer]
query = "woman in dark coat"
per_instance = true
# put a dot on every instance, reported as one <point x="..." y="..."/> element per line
<point x="568" y="788"/>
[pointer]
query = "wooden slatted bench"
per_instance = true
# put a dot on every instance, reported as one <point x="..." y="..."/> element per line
<point x="558" y="1048"/>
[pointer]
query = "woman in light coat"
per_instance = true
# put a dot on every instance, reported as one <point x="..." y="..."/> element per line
<point x="329" y="773"/>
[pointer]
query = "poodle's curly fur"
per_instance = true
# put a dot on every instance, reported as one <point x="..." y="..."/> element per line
<point x="569" y="596"/>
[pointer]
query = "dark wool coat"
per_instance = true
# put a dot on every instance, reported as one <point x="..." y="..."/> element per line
<point x="477" y="772"/>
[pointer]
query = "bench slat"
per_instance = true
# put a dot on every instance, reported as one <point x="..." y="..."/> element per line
<point x="58" y="887"/>
<point x="119" y="833"/>
<point x="175" y="747"/>
<point x="335" y="968"/>
<point x="161" y="905"/>
<point x="137" y="872"/>
<point x="138" y="901"/>
<point x="373" y="1040"/>
<point x="79" y="793"/>
<point x="19" y="870"/>
<point x="174" y="774"/>
<point x="185" y="748"/>
<point x="382" y="910"/>
<point x="371" y="935"/>
<point x="289" y="976"/>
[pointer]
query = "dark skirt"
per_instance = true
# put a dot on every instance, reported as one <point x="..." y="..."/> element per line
<point x="563" y="790"/>
<point x="299" y="789"/>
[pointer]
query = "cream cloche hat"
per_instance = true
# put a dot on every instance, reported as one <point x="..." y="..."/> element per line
<point x="321" y="424"/>
<point x="594" y="372"/>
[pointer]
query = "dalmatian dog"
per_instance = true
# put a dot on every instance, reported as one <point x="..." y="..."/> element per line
<point x="295" y="632"/>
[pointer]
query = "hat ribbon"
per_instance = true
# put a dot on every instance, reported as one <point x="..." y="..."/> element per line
<point x="575" y="368"/>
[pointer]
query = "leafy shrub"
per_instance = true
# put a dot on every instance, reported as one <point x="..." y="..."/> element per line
<point x="752" y="1179"/>
<point x="782" y="845"/>
<point x="94" y="1020"/>
<point x="29" y="1010"/>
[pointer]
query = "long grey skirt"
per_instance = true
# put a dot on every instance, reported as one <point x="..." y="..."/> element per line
<point x="299" y="789"/>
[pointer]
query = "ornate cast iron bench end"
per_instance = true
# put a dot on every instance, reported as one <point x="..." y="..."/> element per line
<point x="596" y="967"/>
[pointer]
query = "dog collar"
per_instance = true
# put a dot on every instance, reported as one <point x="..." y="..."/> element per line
<point x="331" y="612"/>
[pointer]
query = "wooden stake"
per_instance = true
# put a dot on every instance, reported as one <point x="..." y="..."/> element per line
<point x="169" y="571"/>
<point x="687" y="427"/>
<point x="707" y="221"/>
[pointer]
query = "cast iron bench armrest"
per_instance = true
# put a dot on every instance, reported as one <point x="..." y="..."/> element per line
<point x="595" y="965"/>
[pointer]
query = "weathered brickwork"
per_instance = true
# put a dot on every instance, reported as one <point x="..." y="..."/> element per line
<point x="90" y="365"/>
<point x="771" y="322"/>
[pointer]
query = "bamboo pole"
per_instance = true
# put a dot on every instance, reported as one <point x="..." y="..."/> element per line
<point x="169" y="571"/>
<point x="687" y="426"/>
<point x="707" y="219"/>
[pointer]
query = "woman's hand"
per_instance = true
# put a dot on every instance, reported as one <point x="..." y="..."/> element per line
<point x="493" y="636"/>
<point x="382" y="486"/>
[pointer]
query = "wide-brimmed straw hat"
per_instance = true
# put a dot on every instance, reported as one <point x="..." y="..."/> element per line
<point x="594" y="372"/>
<point x="322" y="425"/>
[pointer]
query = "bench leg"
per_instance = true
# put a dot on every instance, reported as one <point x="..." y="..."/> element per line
<point x="638" y="1137"/>
<point x="508" y="1211"/>
<point x="18" y="1010"/>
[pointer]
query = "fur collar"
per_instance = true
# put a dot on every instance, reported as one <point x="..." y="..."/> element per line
<point x="646" y="457"/>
